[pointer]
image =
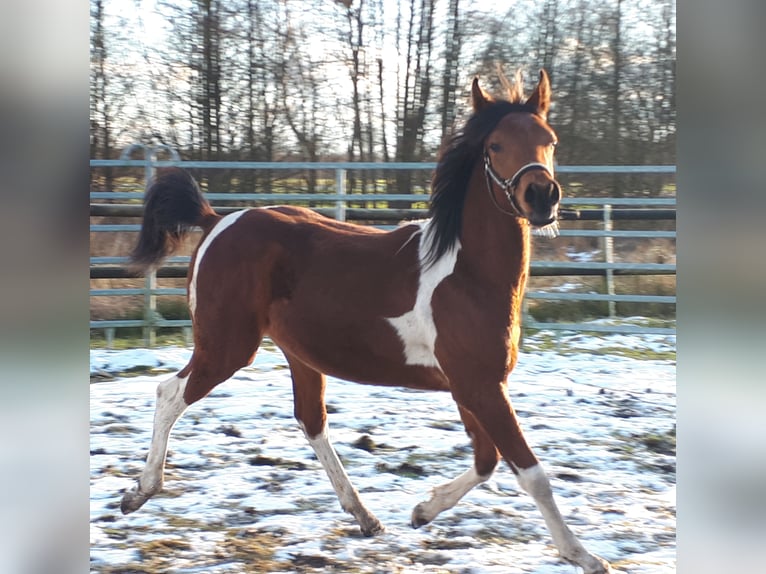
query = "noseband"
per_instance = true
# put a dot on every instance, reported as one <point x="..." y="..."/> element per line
<point x="509" y="185"/>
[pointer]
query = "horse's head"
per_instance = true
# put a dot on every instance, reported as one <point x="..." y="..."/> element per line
<point x="518" y="157"/>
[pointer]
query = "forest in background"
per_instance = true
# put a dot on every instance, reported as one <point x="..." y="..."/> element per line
<point x="381" y="81"/>
<point x="376" y="80"/>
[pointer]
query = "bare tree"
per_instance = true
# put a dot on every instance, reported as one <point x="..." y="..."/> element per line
<point x="100" y="108"/>
<point x="414" y="86"/>
<point x="263" y="80"/>
<point x="548" y="37"/>
<point x="615" y="95"/>
<point x="451" y="70"/>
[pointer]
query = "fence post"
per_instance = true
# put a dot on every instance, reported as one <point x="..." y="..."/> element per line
<point x="150" y="300"/>
<point x="150" y="307"/>
<point x="609" y="258"/>
<point x="340" y="189"/>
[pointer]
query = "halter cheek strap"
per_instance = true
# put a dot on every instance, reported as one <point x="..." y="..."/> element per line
<point x="509" y="185"/>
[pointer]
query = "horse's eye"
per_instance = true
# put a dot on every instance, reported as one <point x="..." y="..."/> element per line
<point x="554" y="145"/>
<point x="495" y="147"/>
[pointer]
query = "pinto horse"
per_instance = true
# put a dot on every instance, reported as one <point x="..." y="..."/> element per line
<point x="432" y="305"/>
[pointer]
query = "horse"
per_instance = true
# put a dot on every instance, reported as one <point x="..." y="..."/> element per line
<point x="430" y="305"/>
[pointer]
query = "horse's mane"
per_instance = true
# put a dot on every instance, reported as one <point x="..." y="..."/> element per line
<point x="457" y="158"/>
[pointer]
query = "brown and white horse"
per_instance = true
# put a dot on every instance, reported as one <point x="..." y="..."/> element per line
<point x="431" y="305"/>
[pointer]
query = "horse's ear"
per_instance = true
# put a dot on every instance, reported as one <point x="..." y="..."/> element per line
<point x="541" y="96"/>
<point x="479" y="98"/>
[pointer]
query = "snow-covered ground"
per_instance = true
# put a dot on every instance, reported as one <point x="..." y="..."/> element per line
<point x="244" y="493"/>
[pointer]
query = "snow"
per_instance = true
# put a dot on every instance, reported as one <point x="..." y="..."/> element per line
<point x="585" y="415"/>
<point x="584" y="256"/>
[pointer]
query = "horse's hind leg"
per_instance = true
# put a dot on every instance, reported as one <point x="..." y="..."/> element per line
<point x="203" y="373"/>
<point x="308" y="391"/>
<point x="447" y="495"/>
<point x="169" y="407"/>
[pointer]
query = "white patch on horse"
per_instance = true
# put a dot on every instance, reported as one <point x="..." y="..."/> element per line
<point x="536" y="484"/>
<point x="447" y="495"/>
<point x="215" y="232"/>
<point x="347" y="494"/>
<point x="170" y="406"/>
<point x="416" y="328"/>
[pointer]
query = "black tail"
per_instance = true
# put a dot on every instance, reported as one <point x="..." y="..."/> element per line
<point x="173" y="205"/>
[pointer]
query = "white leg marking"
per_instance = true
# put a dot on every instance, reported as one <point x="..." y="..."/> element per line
<point x="347" y="494"/>
<point x="170" y="406"/>
<point x="215" y="232"/>
<point x="445" y="496"/>
<point x="416" y="328"/>
<point x="536" y="484"/>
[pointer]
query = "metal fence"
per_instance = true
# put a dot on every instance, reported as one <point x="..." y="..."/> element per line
<point x="603" y="210"/>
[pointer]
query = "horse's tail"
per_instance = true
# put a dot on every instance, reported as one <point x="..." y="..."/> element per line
<point x="173" y="205"/>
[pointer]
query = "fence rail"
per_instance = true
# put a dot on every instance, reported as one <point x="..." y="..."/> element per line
<point x="342" y="205"/>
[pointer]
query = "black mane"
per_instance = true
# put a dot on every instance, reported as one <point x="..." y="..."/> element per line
<point x="457" y="158"/>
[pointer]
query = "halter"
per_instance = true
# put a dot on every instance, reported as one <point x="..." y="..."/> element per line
<point x="509" y="188"/>
<point x="509" y="185"/>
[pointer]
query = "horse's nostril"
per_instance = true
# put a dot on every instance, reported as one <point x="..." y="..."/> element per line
<point x="542" y="195"/>
<point x="555" y="192"/>
<point x="529" y="194"/>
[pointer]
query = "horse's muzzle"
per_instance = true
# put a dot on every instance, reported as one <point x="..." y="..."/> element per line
<point x="542" y="199"/>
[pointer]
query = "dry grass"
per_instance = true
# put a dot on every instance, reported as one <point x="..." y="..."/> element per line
<point x="119" y="244"/>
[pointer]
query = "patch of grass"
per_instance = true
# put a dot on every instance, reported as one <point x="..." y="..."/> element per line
<point x="156" y="555"/>
<point x="447" y="544"/>
<point x="406" y="469"/>
<point x="171" y="308"/>
<point x="230" y="430"/>
<point x="163" y="545"/>
<point x="169" y="337"/>
<point x="365" y="443"/>
<point x="260" y="460"/>
<point x="121" y="429"/>
<point x="652" y="450"/>
<point x="567" y="311"/>
<point x="446" y="425"/>
<point x="115" y="533"/>
<point x="304" y="561"/>
<point x="251" y="547"/>
<point x="535" y="340"/>
<point x="661" y="443"/>
<point x="113" y="470"/>
<point x="182" y="522"/>
<point x="490" y="535"/>
<point x="131" y="568"/>
<point x="578" y="311"/>
<point x="641" y="354"/>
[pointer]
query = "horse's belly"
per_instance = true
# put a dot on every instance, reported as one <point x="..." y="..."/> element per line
<point x="370" y="352"/>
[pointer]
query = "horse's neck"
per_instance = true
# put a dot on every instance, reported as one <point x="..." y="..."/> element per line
<point x="496" y="243"/>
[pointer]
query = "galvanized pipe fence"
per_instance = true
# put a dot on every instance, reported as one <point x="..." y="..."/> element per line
<point x="605" y="210"/>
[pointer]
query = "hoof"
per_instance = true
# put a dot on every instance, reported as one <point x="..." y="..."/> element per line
<point x="419" y="517"/>
<point x="373" y="529"/>
<point x="132" y="500"/>
<point x="601" y="566"/>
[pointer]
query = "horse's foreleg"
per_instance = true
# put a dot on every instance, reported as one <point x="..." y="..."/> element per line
<point x="537" y="485"/>
<point x="170" y="406"/>
<point x="447" y="495"/>
<point x="308" y="390"/>
<point x="496" y="415"/>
